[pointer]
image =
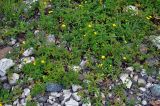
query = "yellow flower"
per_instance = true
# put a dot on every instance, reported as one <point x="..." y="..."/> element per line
<point x="103" y="57"/>
<point x="24" y="42"/>
<point x="89" y="25"/>
<point x="63" y="26"/>
<point x="149" y="17"/>
<point x="100" y="65"/>
<point x="124" y="58"/>
<point x="114" y="25"/>
<point x="1" y="104"/>
<point x="50" y="12"/>
<point x="95" y="33"/>
<point x="42" y="61"/>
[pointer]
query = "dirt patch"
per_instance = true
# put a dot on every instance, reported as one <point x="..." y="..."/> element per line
<point x="4" y="51"/>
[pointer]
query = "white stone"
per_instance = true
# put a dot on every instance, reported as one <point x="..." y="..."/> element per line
<point x="76" y="97"/>
<point x="71" y="102"/>
<point x="156" y="41"/>
<point x="28" y="52"/>
<point x="144" y="102"/>
<point x="26" y="91"/>
<point x="130" y="69"/>
<point x="14" y="78"/>
<point x="75" y="88"/>
<point x="50" y="101"/>
<point x="126" y="80"/>
<point x="56" y="94"/>
<point x="66" y="94"/>
<point x="142" y="89"/>
<point x="4" y="65"/>
<point x="148" y="85"/>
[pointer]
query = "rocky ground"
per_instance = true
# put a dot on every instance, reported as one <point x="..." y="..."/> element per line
<point x="139" y="86"/>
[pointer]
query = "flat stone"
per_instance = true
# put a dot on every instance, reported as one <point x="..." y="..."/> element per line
<point x="53" y="87"/>
<point x="155" y="90"/>
<point x="141" y="82"/>
<point x="5" y="64"/>
<point x="156" y="41"/>
<point x="55" y="94"/>
<point x="26" y="91"/>
<point x="42" y="99"/>
<point x="75" y="88"/>
<point x="71" y="102"/>
<point x="126" y="80"/>
<point x="76" y="97"/>
<point x="130" y="69"/>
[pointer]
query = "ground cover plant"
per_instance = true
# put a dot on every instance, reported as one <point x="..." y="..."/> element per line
<point x="91" y="43"/>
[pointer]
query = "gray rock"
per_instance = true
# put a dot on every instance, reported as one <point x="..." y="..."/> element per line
<point x="26" y="91"/>
<point x="156" y="41"/>
<point x="4" y="65"/>
<point x="155" y="90"/>
<point x="144" y="102"/>
<point x="71" y="102"/>
<point x="13" y="79"/>
<point x="42" y="99"/>
<point x="141" y="82"/>
<point x="126" y="80"/>
<point x="53" y="87"/>
<point x="66" y="95"/>
<point x="76" y="97"/>
<point x="75" y="88"/>
<point x="55" y="94"/>
<point x="7" y="86"/>
<point x="130" y="69"/>
<point x="2" y="79"/>
<point x="28" y="52"/>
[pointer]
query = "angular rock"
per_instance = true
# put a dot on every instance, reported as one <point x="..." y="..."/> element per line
<point x="141" y="82"/>
<point x="42" y="99"/>
<point x="126" y="80"/>
<point x="71" y="102"/>
<point x="53" y="87"/>
<point x="55" y="94"/>
<point x="155" y="90"/>
<point x="76" y="97"/>
<point x="4" y="65"/>
<point x="26" y="91"/>
<point x="156" y="41"/>
<point x="66" y="96"/>
<point x="75" y="88"/>
<point x="28" y="52"/>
